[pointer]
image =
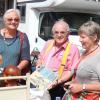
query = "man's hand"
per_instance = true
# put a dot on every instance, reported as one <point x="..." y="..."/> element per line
<point x="52" y="85"/>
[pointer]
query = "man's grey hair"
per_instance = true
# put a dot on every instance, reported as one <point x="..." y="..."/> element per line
<point x="61" y="21"/>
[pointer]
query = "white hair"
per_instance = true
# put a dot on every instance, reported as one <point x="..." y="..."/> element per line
<point x="62" y="22"/>
<point x="12" y="10"/>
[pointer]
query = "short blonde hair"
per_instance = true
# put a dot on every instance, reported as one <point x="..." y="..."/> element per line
<point x="12" y="10"/>
<point x="90" y="28"/>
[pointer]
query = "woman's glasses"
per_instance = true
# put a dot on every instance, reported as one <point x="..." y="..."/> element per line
<point x="13" y="19"/>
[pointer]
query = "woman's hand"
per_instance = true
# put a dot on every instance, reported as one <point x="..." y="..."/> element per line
<point x="73" y="87"/>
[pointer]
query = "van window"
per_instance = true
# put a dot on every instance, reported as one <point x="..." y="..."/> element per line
<point x="47" y="19"/>
<point x="22" y="8"/>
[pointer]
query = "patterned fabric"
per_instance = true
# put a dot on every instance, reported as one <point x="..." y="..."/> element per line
<point x="82" y="96"/>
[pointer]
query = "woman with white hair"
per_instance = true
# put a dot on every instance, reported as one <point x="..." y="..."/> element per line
<point x="14" y="45"/>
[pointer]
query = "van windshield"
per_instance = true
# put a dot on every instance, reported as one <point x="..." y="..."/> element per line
<point x="47" y="19"/>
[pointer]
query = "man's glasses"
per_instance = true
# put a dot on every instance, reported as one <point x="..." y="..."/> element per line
<point x="62" y="32"/>
<point x="11" y="19"/>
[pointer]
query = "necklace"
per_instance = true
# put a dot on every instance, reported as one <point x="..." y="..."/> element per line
<point x="8" y="41"/>
<point x="92" y="50"/>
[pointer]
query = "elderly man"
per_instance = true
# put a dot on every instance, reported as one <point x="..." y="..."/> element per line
<point x="59" y="56"/>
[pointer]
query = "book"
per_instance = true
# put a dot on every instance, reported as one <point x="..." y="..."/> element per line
<point x="42" y="77"/>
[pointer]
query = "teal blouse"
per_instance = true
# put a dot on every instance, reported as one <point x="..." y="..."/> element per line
<point x="10" y="50"/>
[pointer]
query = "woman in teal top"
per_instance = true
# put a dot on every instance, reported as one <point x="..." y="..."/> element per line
<point x="11" y="51"/>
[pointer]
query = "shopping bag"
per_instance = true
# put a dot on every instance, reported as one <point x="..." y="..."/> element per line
<point x="36" y="94"/>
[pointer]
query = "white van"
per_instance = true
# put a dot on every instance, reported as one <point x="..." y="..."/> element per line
<point x="40" y="15"/>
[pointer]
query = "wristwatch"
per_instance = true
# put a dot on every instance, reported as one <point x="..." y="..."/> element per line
<point x="84" y="87"/>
